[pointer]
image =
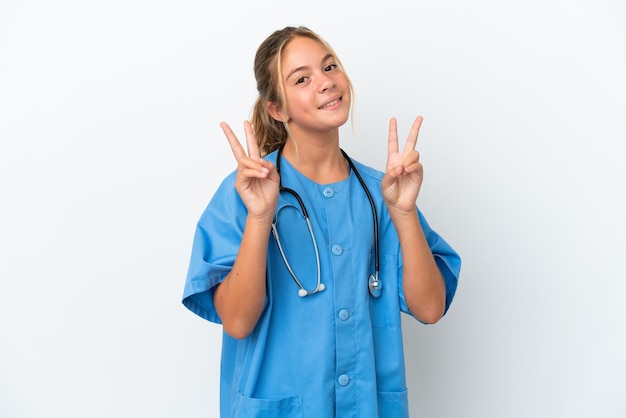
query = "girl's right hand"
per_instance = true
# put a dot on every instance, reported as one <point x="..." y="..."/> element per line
<point x="257" y="180"/>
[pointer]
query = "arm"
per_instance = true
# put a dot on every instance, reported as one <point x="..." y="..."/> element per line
<point x="423" y="283"/>
<point x="424" y="287"/>
<point x="239" y="299"/>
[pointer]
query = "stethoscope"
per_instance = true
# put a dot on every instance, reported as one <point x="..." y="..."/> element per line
<point x="374" y="283"/>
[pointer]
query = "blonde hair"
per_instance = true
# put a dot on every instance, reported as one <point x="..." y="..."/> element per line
<point x="270" y="133"/>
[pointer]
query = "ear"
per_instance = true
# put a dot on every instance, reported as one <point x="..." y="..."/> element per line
<point x="274" y="110"/>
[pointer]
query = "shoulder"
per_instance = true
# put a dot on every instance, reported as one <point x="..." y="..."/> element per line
<point x="226" y="194"/>
<point x="271" y="157"/>
<point x="369" y="174"/>
<point x="226" y="188"/>
<point x="225" y="200"/>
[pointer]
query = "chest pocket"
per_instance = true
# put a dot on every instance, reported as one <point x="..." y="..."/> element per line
<point x="385" y="310"/>
<point x="290" y="406"/>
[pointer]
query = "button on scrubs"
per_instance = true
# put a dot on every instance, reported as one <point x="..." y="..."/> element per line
<point x="335" y="353"/>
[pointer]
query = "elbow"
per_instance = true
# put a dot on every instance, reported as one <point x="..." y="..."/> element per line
<point x="237" y="324"/>
<point x="238" y="321"/>
<point x="238" y="330"/>
<point x="428" y="314"/>
<point x="428" y="305"/>
<point x="430" y="318"/>
<point x="237" y="335"/>
<point x="240" y="325"/>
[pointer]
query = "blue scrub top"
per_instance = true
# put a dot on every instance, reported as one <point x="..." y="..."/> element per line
<point x="336" y="353"/>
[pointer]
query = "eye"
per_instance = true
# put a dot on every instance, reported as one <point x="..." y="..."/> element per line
<point x="330" y="67"/>
<point x="301" y="80"/>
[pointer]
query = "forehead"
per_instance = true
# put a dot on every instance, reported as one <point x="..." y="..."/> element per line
<point x="303" y="51"/>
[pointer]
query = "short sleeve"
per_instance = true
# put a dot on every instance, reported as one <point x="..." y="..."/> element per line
<point x="215" y="245"/>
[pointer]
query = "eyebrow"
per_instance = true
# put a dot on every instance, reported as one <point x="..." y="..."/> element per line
<point x="304" y="67"/>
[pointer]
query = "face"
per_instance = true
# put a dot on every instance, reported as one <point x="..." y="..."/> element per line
<point x="317" y="92"/>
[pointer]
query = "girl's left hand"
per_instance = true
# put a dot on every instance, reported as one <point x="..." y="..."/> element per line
<point x="404" y="173"/>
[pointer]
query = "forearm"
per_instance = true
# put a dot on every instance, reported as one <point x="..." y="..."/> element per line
<point x="422" y="281"/>
<point x="240" y="298"/>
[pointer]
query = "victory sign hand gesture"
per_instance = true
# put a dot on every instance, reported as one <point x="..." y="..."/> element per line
<point x="257" y="180"/>
<point x="404" y="173"/>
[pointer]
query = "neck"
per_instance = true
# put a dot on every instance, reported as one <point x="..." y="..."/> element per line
<point x="320" y="161"/>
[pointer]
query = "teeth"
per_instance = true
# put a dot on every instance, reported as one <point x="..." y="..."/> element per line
<point x="331" y="103"/>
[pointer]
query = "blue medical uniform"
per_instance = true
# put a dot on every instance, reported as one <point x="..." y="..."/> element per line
<point x="336" y="353"/>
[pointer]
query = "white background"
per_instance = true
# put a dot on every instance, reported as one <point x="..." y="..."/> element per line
<point x="110" y="149"/>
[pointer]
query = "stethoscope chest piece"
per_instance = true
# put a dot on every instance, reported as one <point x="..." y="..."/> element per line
<point x="375" y="285"/>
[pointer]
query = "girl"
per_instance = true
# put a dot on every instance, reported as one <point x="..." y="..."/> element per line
<point x="307" y="257"/>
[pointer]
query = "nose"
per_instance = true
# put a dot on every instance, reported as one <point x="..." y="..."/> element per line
<point x="326" y="83"/>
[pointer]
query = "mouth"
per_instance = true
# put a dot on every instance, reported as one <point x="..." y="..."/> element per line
<point x="332" y="103"/>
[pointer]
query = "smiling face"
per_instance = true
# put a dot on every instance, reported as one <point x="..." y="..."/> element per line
<point x="316" y="91"/>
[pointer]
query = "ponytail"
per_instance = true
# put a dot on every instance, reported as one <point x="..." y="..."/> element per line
<point x="270" y="134"/>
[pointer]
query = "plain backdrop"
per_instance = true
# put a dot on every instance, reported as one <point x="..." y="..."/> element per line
<point x="111" y="148"/>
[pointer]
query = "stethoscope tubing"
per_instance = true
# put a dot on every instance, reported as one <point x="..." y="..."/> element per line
<point x="302" y="291"/>
<point x="374" y="284"/>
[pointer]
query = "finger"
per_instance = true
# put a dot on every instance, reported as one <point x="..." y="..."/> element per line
<point x="410" y="157"/>
<point x="272" y="173"/>
<point x="411" y="142"/>
<point x="251" y="167"/>
<point x="396" y="171"/>
<point x="253" y="146"/>
<point x="235" y="145"/>
<point x="415" y="167"/>
<point x="393" y="137"/>
<point x="250" y="172"/>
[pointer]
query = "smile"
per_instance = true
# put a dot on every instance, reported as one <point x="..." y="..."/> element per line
<point x="331" y="103"/>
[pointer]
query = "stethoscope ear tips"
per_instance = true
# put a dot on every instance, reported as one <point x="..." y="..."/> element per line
<point x="303" y="292"/>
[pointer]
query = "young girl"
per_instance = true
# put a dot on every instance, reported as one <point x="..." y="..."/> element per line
<point x="307" y="257"/>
